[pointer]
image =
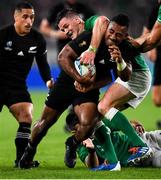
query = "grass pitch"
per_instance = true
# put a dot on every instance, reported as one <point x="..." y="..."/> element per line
<point x="51" y="150"/>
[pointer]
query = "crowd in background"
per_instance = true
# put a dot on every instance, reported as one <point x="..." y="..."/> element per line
<point x="137" y="10"/>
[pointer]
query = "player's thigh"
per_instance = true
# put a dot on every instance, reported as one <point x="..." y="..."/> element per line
<point x="60" y="96"/>
<point x="20" y="104"/>
<point x="116" y="95"/>
<point x="156" y="95"/>
<point x="156" y="73"/>
<point x="22" y="111"/>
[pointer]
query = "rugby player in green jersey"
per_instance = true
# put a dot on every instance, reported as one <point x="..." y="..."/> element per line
<point x="92" y="153"/>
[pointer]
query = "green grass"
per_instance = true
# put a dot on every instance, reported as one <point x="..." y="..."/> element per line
<point x="51" y="149"/>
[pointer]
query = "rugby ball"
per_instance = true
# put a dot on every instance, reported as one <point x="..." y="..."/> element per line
<point x="84" y="69"/>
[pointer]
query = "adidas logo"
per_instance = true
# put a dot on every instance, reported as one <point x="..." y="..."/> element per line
<point x="20" y="53"/>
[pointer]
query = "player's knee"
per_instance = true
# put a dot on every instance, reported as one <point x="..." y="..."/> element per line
<point x="101" y="108"/>
<point x="25" y="117"/>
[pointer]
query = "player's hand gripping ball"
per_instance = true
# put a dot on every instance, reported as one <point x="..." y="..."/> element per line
<point x="84" y="69"/>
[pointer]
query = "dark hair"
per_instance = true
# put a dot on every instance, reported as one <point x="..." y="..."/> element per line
<point x="65" y="13"/>
<point x="121" y="19"/>
<point x="23" y="5"/>
<point x="71" y="121"/>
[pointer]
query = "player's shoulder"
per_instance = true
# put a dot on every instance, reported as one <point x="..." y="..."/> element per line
<point x="7" y="28"/>
<point x="81" y="43"/>
<point x="6" y="31"/>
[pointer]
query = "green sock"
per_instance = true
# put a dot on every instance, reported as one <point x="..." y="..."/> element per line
<point x="102" y="134"/>
<point x="119" y="121"/>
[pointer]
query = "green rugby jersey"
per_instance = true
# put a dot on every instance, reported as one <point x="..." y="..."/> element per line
<point x="89" y="23"/>
<point x="159" y="15"/>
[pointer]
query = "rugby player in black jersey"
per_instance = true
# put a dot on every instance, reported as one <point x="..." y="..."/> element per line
<point x="19" y="45"/>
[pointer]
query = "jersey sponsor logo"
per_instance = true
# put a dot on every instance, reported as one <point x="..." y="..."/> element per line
<point x="8" y="46"/>
<point x="32" y="49"/>
<point x="20" y="53"/>
<point x="83" y="43"/>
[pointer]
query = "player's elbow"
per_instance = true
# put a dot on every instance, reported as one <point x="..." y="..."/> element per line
<point x="103" y="21"/>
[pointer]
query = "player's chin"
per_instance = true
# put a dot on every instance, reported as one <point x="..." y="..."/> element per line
<point x="27" y="29"/>
<point x="73" y="36"/>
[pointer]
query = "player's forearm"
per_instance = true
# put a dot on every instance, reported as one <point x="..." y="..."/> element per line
<point x="124" y="70"/>
<point x="57" y="34"/>
<point x="66" y="60"/>
<point x="153" y="39"/>
<point x="44" y="68"/>
<point x="91" y="160"/>
<point x="99" y="30"/>
<point x="47" y="30"/>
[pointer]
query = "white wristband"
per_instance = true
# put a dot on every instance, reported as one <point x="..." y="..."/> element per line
<point x="121" y="66"/>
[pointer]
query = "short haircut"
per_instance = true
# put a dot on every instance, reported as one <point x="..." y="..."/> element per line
<point x="121" y="19"/>
<point x="71" y="121"/>
<point x="23" y="5"/>
<point x="65" y="13"/>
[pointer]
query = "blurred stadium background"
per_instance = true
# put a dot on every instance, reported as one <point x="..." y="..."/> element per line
<point x="137" y="10"/>
<point x="52" y="165"/>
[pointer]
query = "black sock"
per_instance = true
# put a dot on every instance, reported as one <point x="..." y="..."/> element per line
<point x="22" y="139"/>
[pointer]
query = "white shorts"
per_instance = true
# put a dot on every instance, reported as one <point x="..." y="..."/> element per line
<point x="139" y="85"/>
<point x="153" y="140"/>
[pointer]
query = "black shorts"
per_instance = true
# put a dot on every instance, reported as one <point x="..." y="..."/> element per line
<point x="12" y="96"/>
<point x="64" y="94"/>
<point x="157" y="69"/>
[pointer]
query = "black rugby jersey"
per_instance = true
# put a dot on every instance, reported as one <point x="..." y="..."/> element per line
<point x="129" y="53"/>
<point x="102" y="60"/>
<point x="17" y="54"/>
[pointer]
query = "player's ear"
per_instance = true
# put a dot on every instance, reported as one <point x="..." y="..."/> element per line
<point x="15" y="15"/>
<point x="78" y="20"/>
